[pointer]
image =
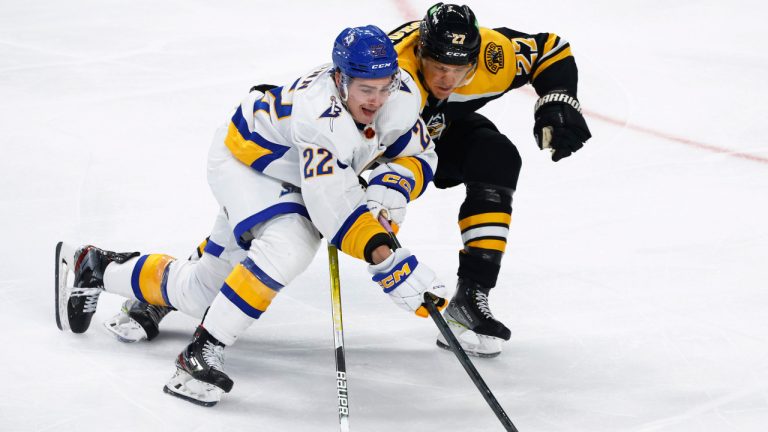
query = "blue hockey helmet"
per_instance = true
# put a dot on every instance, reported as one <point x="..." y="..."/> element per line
<point x="365" y="52"/>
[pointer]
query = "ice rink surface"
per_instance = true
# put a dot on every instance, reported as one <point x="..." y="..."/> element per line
<point x="635" y="281"/>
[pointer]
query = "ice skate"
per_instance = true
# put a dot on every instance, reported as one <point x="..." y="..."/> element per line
<point x="469" y="317"/>
<point x="200" y="376"/>
<point x="136" y="321"/>
<point x="76" y="304"/>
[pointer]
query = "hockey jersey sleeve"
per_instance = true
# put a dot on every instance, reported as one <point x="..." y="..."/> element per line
<point x="413" y="155"/>
<point x="544" y="60"/>
<point x="410" y="151"/>
<point x="334" y="198"/>
<point x="256" y="147"/>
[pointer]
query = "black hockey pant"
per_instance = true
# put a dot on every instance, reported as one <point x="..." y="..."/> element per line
<point x="472" y="151"/>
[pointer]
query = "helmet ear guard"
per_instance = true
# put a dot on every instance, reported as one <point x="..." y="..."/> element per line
<point x="450" y="34"/>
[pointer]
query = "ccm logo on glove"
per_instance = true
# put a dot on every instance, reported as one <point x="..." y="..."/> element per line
<point x="400" y="181"/>
<point x="396" y="182"/>
<point x="397" y="275"/>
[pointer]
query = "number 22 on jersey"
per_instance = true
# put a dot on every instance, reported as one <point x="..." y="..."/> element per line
<point x="317" y="162"/>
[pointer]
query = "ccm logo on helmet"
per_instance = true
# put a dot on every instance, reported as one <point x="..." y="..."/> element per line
<point x="456" y="54"/>
<point x="382" y="65"/>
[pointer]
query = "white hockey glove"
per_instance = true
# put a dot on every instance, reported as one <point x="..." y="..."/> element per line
<point x="406" y="280"/>
<point x="389" y="190"/>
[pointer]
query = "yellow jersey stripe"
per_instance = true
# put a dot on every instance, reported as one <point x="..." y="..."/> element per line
<point x="414" y="166"/>
<point x="565" y="53"/>
<point x="244" y="150"/>
<point x="549" y="44"/>
<point x="359" y="233"/>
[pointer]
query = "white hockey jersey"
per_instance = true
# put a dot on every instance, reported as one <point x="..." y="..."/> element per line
<point x="302" y="134"/>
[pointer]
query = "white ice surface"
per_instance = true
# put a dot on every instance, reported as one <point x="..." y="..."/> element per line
<point x="635" y="284"/>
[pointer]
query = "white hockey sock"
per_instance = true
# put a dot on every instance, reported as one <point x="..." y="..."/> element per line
<point x="143" y="278"/>
<point x="225" y="321"/>
<point x="117" y="278"/>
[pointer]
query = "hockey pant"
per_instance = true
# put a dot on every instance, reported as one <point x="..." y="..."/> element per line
<point x="473" y="151"/>
<point x="261" y="240"/>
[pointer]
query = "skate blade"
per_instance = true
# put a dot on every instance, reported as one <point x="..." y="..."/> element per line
<point x="184" y="386"/>
<point x="125" y="329"/>
<point x="64" y="273"/>
<point x="484" y="347"/>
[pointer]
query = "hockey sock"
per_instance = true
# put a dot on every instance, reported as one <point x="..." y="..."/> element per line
<point x="144" y="278"/>
<point x="246" y="294"/>
<point x="484" y="220"/>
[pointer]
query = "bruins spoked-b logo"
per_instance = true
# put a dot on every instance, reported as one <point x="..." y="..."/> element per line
<point x="494" y="57"/>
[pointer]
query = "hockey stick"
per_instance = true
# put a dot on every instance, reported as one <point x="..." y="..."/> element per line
<point x="338" y="339"/>
<point x="474" y="375"/>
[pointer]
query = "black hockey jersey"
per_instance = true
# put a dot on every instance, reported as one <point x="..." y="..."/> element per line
<point x="508" y="59"/>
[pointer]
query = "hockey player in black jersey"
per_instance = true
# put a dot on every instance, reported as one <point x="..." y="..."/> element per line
<point x="459" y="67"/>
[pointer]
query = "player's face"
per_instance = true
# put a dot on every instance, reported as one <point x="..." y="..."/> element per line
<point x="442" y="79"/>
<point x="366" y="96"/>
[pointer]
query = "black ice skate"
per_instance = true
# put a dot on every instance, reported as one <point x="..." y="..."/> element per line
<point x="75" y="305"/>
<point x="468" y="312"/>
<point x="136" y="321"/>
<point x="200" y="376"/>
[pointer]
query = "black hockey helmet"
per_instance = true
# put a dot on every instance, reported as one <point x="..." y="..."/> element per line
<point x="449" y="34"/>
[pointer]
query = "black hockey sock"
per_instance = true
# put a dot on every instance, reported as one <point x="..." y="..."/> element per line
<point x="484" y="220"/>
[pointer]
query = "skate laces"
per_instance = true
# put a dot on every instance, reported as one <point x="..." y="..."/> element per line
<point x="481" y="300"/>
<point x="91" y="297"/>
<point x="213" y="355"/>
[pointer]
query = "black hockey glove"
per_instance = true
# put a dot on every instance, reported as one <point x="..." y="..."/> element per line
<point x="559" y="124"/>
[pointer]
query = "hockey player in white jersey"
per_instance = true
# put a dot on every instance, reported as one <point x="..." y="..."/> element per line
<point x="284" y="171"/>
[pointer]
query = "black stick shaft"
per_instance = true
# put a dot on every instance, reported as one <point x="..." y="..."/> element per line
<point x="469" y="367"/>
<point x="474" y="375"/>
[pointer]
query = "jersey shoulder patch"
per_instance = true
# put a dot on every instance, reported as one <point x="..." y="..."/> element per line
<point x="497" y="51"/>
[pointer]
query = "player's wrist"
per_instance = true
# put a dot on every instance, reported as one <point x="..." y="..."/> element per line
<point x="380" y="254"/>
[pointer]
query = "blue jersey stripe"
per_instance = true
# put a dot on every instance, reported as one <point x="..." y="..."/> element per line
<point x="428" y="174"/>
<point x="399" y="145"/>
<point x="348" y="223"/>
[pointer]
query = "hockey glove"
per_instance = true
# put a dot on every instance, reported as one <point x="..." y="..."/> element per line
<point x="390" y="191"/>
<point x="559" y="124"/>
<point x="406" y="280"/>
